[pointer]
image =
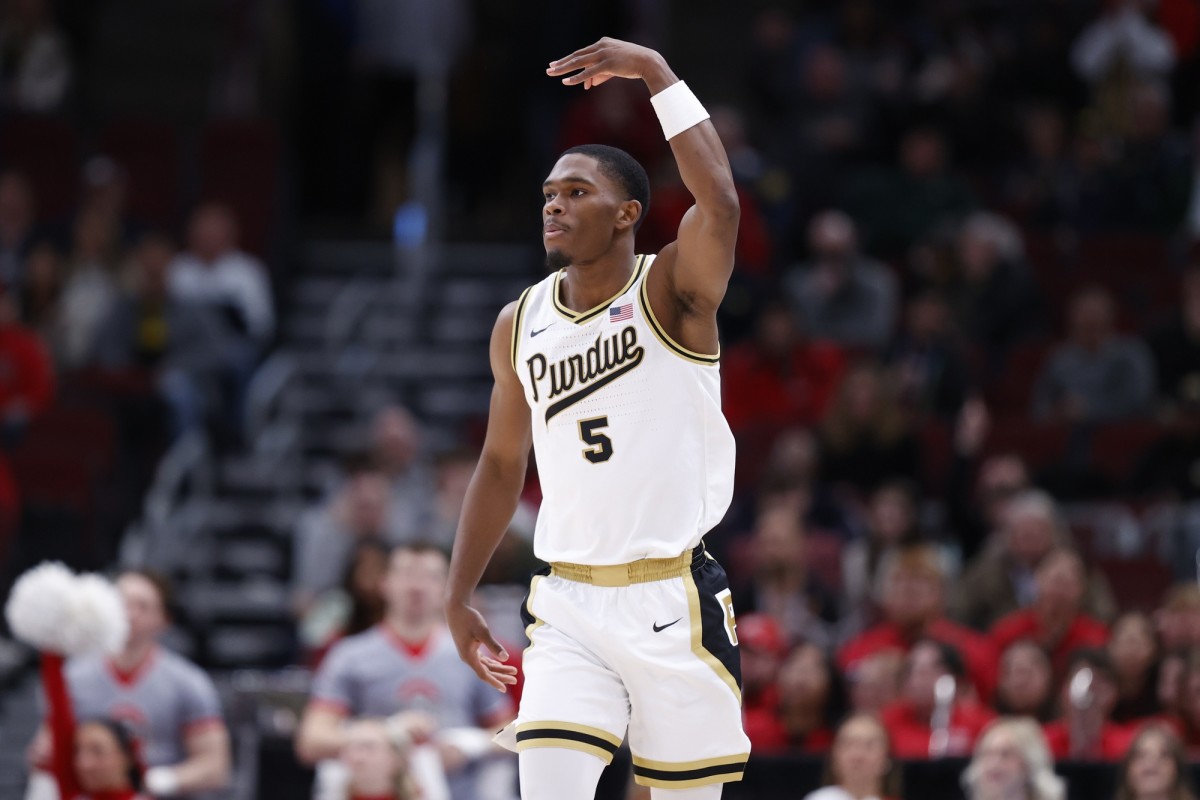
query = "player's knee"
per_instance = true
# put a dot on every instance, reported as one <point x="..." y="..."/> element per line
<point x="711" y="792"/>
<point x="553" y="773"/>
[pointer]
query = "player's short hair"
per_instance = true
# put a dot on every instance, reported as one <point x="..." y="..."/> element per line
<point x="622" y="168"/>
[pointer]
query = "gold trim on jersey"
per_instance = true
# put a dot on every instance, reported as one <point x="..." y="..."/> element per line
<point x="667" y="341"/>
<point x="580" y="317"/>
<point x="698" y="648"/>
<point x="687" y="774"/>
<point x="518" y="319"/>
<point x="570" y="735"/>
<point x="537" y="621"/>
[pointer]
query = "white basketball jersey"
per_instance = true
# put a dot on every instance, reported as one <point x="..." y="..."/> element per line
<point x="634" y="455"/>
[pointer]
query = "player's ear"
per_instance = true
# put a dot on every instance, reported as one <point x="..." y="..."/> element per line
<point x="628" y="214"/>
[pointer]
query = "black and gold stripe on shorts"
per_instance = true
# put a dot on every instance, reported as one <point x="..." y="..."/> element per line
<point x="687" y="774"/>
<point x="584" y="738"/>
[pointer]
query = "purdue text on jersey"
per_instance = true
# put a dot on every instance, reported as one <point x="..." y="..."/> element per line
<point x="597" y="366"/>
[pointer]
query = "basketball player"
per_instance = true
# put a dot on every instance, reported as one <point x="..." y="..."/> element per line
<point x="169" y="703"/>
<point x="609" y="367"/>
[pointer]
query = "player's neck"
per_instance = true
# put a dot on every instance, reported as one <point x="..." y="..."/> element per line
<point x="587" y="284"/>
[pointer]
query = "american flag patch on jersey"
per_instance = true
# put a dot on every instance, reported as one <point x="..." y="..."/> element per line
<point x="620" y="313"/>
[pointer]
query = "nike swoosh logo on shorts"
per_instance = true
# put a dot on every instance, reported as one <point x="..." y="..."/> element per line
<point x="658" y="627"/>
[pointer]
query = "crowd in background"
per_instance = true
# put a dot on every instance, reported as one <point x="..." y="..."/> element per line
<point x="961" y="351"/>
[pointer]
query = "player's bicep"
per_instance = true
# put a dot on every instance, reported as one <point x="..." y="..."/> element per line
<point x="509" y="433"/>
<point x="703" y="254"/>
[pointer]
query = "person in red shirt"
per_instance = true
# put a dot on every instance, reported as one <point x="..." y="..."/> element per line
<point x="811" y="699"/>
<point x="1085" y="730"/>
<point x="1026" y="686"/>
<point x="910" y="719"/>
<point x="1055" y="620"/>
<point x="26" y="373"/>
<point x="911" y="590"/>
<point x="779" y="378"/>
<point x="762" y="646"/>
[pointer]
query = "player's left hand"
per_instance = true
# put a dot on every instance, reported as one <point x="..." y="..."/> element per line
<point x="607" y="58"/>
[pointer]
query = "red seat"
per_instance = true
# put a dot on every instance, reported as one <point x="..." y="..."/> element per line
<point x="55" y="480"/>
<point x="937" y="450"/>
<point x="1011" y="394"/>
<point x="239" y="165"/>
<point x="1118" y="448"/>
<point x="149" y="152"/>
<point x="87" y="435"/>
<point x="45" y="150"/>
<point x="1138" y="583"/>
<point x="1040" y="444"/>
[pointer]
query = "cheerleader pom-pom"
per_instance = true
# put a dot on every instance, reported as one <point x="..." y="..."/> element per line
<point x="98" y="622"/>
<point x="39" y="604"/>
<point x="56" y="611"/>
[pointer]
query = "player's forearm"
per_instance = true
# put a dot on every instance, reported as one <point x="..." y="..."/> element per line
<point x="488" y="510"/>
<point x="699" y="154"/>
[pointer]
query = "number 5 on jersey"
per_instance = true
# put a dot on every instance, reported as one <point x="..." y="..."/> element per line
<point x="601" y="446"/>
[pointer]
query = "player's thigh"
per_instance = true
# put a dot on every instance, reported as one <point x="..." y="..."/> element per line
<point x="571" y="699"/>
<point x="685" y="729"/>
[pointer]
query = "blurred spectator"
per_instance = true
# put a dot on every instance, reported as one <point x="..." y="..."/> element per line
<point x="911" y="597"/>
<point x="1096" y="375"/>
<point x="1002" y="579"/>
<point x="91" y="288"/>
<point x="1170" y="467"/>
<point x="16" y="227"/>
<point x="782" y="587"/>
<point x="831" y="119"/>
<point x="1176" y="348"/>
<point x="841" y="294"/>
<point x="1085" y="731"/>
<point x="1155" y="766"/>
<point x="865" y="437"/>
<point x="351" y="608"/>
<point x="897" y="207"/>
<point x="1154" y="173"/>
<point x="26" y="375"/>
<point x="169" y="704"/>
<point x="1055" y="619"/>
<point x="327" y="535"/>
<point x="874" y="682"/>
<point x="994" y="299"/>
<point x="106" y="189"/>
<point x="215" y="273"/>
<point x="1012" y="761"/>
<point x="910" y="720"/>
<point x="763" y="647"/>
<point x="975" y="509"/>
<point x="453" y="472"/>
<point x="1123" y="40"/>
<point x="1026" y="685"/>
<point x="1187" y="703"/>
<point x="35" y="65"/>
<point x="1177" y="620"/>
<point x="930" y="367"/>
<point x="860" y="766"/>
<point x="406" y="663"/>
<point x="396" y="446"/>
<point x="891" y="523"/>
<point x="41" y="292"/>
<point x="1135" y="655"/>
<point x="811" y="700"/>
<point x="1038" y="185"/>
<point x="1170" y="678"/>
<point x="780" y="378"/>
<point x="376" y="763"/>
<point x="182" y="345"/>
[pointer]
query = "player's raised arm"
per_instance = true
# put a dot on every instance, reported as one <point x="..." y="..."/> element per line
<point x="488" y="508"/>
<point x="697" y="266"/>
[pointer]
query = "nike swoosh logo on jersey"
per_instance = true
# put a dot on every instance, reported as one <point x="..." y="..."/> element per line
<point x="540" y="330"/>
<point x="658" y="627"/>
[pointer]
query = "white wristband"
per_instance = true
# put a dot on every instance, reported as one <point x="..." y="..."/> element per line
<point x="162" y="781"/>
<point x="678" y="109"/>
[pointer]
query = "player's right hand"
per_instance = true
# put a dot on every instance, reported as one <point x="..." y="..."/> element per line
<point x="471" y="633"/>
